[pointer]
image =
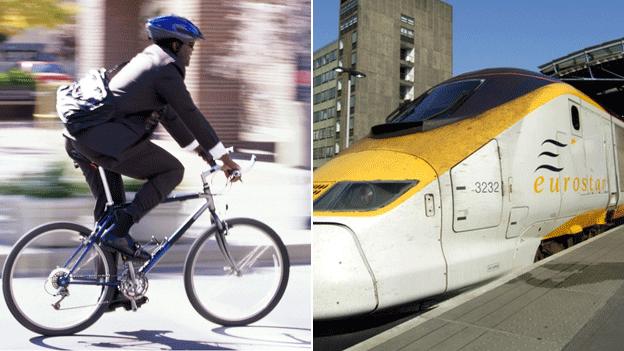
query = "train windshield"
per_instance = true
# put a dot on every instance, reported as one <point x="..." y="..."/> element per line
<point x="362" y="196"/>
<point x="440" y="102"/>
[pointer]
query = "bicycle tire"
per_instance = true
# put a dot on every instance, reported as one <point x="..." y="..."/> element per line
<point x="275" y="250"/>
<point x="106" y="263"/>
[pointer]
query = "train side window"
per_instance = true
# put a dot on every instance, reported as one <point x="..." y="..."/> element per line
<point x="576" y="121"/>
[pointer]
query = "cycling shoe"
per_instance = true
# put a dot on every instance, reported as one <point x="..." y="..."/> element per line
<point x="126" y="245"/>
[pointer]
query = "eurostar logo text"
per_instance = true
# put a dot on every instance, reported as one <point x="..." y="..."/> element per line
<point x="565" y="184"/>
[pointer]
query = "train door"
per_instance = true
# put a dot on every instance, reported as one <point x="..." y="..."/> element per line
<point x="474" y="249"/>
<point x="611" y="164"/>
<point x="618" y="138"/>
<point x="600" y="158"/>
<point x="477" y="190"/>
<point x="574" y="165"/>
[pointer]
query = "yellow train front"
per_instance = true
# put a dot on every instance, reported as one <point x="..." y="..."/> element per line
<point x="479" y="175"/>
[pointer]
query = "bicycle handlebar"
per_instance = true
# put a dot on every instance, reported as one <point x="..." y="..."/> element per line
<point x="237" y="173"/>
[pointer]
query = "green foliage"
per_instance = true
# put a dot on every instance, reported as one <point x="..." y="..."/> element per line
<point x="17" y="15"/>
<point x="17" y="79"/>
<point x="46" y="184"/>
<point x="51" y="183"/>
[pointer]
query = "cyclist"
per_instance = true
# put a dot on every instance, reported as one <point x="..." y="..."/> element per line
<point x="149" y="89"/>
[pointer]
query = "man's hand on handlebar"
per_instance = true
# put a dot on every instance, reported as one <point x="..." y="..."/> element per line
<point x="230" y="168"/>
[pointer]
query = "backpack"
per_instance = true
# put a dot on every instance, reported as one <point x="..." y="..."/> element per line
<point x="87" y="102"/>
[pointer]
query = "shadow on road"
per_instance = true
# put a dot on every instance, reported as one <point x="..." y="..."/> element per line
<point x="133" y="339"/>
<point x="271" y="336"/>
<point x="335" y="335"/>
<point x="339" y="334"/>
<point x="285" y="337"/>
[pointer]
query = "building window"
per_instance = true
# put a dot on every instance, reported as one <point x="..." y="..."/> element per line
<point x="348" y="6"/>
<point x="325" y="95"/>
<point x="407" y="73"/>
<point x="407" y="54"/>
<point x="351" y="126"/>
<point x="407" y="32"/>
<point x="325" y="77"/>
<point x="325" y="114"/>
<point x="407" y="92"/>
<point x="324" y="133"/>
<point x="329" y="151"/>
<point x="323" y="152"/>
<point x="353" y="58"/>
<point x="325" y="59"/>
<point x="407" y="19"/>
<point x="348" y="23"/>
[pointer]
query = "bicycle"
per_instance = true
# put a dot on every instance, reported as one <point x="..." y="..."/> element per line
<point x="235" y="272"/>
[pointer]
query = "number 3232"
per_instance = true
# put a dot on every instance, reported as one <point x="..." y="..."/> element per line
<point x="486" y="187"/>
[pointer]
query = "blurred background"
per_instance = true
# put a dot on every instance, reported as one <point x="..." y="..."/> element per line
<point x="250" y="78"/>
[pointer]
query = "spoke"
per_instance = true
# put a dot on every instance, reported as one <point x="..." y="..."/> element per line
<point x="252" y="257"/>
<point x="85" y="263"/>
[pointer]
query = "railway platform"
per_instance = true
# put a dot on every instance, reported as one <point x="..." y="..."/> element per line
<point x="570" y="301"/>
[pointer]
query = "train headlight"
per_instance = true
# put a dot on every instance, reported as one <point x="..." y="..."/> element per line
<point x="361" y="196"/>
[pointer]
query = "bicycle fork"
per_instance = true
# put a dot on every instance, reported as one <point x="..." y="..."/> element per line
<point x="246" y="261"/>
<point x="223" y="247"/>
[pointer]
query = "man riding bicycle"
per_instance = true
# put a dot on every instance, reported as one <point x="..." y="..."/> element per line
<point x="149" y="89"/>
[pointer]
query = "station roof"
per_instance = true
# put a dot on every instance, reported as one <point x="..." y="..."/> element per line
<point x="598" y="71"/>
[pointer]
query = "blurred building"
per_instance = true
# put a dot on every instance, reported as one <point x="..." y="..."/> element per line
<point x="243" y="77"/>
<point x="403" y="47"/>
<point x="19" y="51"/>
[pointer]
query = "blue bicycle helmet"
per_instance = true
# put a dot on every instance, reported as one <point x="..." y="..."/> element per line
<point x="172" y="26"/>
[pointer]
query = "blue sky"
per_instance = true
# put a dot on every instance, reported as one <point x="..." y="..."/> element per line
<point x="499" y="33"/>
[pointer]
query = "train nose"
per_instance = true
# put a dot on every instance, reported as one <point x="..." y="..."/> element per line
<point x="341" y="272"/>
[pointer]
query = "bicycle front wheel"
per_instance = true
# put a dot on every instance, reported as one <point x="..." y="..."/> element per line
<point x="37" y="285"/>
<point x="240" y="279"/>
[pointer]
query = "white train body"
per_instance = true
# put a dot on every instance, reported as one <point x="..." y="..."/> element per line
<point x="491" y="187"/>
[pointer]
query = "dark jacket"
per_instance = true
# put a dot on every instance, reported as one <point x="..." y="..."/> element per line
<point x="151" y="81"/>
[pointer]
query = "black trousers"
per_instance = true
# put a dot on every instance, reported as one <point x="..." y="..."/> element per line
<point x="145" y="161"/>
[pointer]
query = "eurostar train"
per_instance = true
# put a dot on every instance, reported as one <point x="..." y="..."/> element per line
<point x="479" y="175"/>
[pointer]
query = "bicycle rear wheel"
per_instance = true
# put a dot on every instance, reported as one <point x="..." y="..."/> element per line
<point x="32" y="275"/>
<point x="237" y="296"/>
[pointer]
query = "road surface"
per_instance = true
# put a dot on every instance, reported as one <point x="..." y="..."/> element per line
<point x="169" y="322"/>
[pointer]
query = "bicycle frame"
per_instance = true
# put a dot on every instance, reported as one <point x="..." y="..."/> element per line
<point x="167" y="244"/>
<point x="104" y="225"/>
